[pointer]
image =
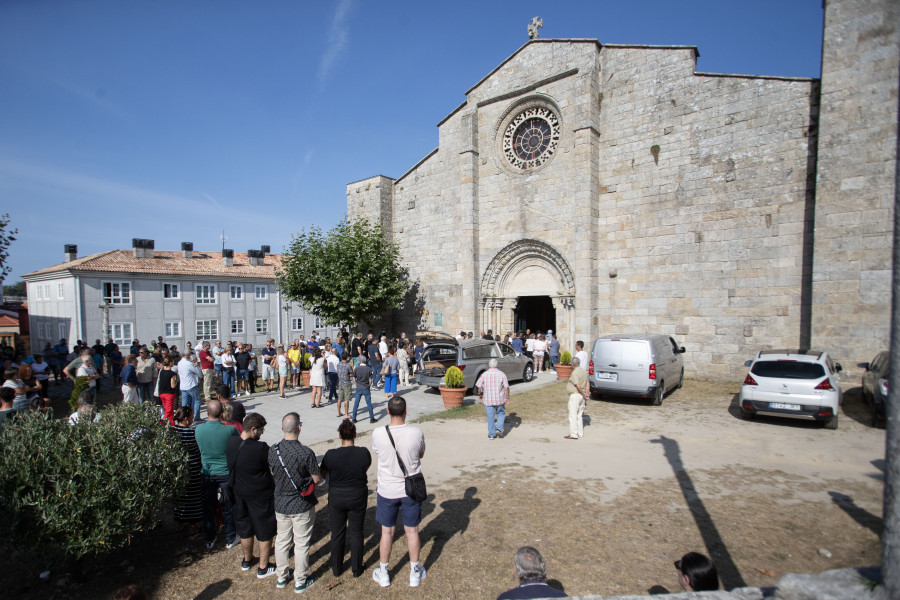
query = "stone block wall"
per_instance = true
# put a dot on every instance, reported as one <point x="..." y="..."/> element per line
<point x="704" y="189"/>
<point x="856" y="178"/>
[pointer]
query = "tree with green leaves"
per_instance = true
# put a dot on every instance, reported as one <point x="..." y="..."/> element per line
<point x="7" y="237"/>
<point x="349" y="275"/>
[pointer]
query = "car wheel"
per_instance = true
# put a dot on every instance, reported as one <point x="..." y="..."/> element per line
<point x="528" y="374"/>
<point x="746" y="414"/>
<point x="832" y="423"/>
<point x="680" y="381"/>
<point x="660" y="392"/>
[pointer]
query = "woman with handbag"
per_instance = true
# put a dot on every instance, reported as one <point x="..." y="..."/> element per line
<point x="390" y="370"/>
<point x="346" y="468"/>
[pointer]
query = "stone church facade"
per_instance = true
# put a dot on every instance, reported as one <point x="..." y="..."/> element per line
<point x="596" y="189"/>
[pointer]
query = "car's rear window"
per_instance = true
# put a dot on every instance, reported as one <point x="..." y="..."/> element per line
<point x="480" y="351"/>
<point x="788" y="369"/>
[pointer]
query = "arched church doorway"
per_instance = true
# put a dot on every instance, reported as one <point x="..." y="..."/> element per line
<point x="529" y="285"/>
<point x="535" y="313"/>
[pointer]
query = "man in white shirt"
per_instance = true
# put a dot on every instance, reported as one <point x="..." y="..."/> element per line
<point x="189" y="381"/>
<point x="581" y="355"/>
<point x="391" y="496"/>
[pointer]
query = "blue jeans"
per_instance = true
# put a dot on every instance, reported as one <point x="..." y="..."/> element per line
<point x="145" y="389"/>
<point x="332" y="386"/>
<point x="368" y="394"/>
<point x="376" y="372"/>
<point x="191" y="398"/>
<point x="554" y="359"/>
<point x="210" y="485"/>
<point x="500" y="411"/>
<point x="228" y="379"/>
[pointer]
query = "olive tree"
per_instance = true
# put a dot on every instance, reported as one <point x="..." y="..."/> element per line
<point x="348" y="275"/>
<point x="86" y="489"/>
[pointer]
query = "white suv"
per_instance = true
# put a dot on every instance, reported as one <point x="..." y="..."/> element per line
<point x="798" y="384"/>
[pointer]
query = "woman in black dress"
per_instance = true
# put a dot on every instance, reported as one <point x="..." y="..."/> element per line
<point x="345" y="468"/>
<point x="189" y="507"/>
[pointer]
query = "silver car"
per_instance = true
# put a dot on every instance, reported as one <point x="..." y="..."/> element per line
<point x="471" y="356"/>
<point x="642" y="366"/>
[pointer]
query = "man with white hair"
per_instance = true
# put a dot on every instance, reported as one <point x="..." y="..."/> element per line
<point x="493" y="391"/>
<point x="531" y="573"/>
<point x="577" y="387"/>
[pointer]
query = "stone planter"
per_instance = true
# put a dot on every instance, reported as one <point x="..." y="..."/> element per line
<point x="304" y="376"/>
<point x="563" y="372"/>
<point x="452" y="397"/>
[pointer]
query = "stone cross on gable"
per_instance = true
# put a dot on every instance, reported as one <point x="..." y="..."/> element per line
<point x="536" y="23"/>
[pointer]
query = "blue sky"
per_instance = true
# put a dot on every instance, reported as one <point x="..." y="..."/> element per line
<point x="174" y="120"/>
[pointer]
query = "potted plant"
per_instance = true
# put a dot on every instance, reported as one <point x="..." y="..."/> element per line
<point x="564" y="367"/>
<point x="454" y="388"/>
<point x="305" y="365"/>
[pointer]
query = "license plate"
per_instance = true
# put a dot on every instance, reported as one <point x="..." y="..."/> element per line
<point x="784" y="406"/>
<point x="608" y="376"/>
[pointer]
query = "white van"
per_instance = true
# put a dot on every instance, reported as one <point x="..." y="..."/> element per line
<point x="642" y="366"/>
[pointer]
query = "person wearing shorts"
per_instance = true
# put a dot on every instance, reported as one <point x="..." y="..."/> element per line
<point x="269" y="364"/>
<point x="253" y="511"/>
<point x="391" y="496"/>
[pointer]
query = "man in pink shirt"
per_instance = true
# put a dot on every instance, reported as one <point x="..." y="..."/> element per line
<point x="493" y="391"/>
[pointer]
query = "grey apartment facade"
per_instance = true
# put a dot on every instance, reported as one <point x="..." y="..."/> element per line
<point x="181" y="295"/>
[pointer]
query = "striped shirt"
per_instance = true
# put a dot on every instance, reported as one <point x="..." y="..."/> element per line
<point x="495" y="387"/>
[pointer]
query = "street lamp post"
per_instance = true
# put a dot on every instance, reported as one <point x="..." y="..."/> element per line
<point x="287" y="322"/>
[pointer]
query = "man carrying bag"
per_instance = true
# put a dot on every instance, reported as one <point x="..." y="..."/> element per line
<point x="400" y="448"/>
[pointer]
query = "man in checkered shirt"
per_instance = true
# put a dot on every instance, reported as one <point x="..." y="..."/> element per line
<point x="493" y="391"/>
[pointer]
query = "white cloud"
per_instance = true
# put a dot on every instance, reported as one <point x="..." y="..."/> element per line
<point x="338" y="38"/>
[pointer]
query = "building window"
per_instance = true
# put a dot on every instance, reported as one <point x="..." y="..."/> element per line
<point x="63" y="331"/>
<point x="237" y="326"/>
<point x="205" y="293"/>
<point x="171" y="291"/>
<point x="122" y="333"/>
<point x="262" y="325"/>
<point x="237" y="292"/>
<point x="39" y="291"/>
<point x="117" y="292"/>
<point x="172" y="329"/>
<point x="261" y="292"/>
<point x="297" y="324"/>
<point x="60" y="291"/>
<point x="207" y="330"/>
<point x="320" y="322"/>
<point x="46" y="291"/>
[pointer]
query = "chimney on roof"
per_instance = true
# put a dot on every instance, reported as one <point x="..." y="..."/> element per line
<point x="187" y="249"/>
<point x="142" y="248"/>
<point x="228" y="257"/>
<point x="71" y="252"/>
<point x="266" y="250"/>
<point x="256" y="257"/>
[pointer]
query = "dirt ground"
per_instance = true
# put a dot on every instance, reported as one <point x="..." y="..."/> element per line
<point x="610" y="512"/>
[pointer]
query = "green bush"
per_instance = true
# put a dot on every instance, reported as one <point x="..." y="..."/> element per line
<point x="453" y="378"/>
<point x="565" y="359"/>
<point x="305" y="362"/>
<point x="81" y="383"/>
<point x="86" y="489"/>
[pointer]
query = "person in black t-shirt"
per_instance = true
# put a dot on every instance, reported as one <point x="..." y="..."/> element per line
<point x="345" y="468"/>
<point x="242" y="357"/>
<point x="253" y="510"/>
<point x="375" y="359"/>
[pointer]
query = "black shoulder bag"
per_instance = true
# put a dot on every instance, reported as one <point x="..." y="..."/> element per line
<point x="415" y="484"/>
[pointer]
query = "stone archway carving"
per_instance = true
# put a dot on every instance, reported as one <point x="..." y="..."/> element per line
<point x="520" y="255"/>
<point x="525" y="266"/>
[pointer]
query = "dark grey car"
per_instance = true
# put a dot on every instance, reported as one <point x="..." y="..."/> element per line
<point x="471" y="356"/>
<point x="875" y="384"/>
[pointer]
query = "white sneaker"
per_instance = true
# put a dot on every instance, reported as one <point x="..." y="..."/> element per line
<point x="383" y="577"/>
<point x="416" y="575"/>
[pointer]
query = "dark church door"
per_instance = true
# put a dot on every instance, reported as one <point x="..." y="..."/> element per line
<point x="535" y="313"/>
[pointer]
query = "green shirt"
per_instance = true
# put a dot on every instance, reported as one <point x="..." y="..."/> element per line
<point x="212" y="437"/>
